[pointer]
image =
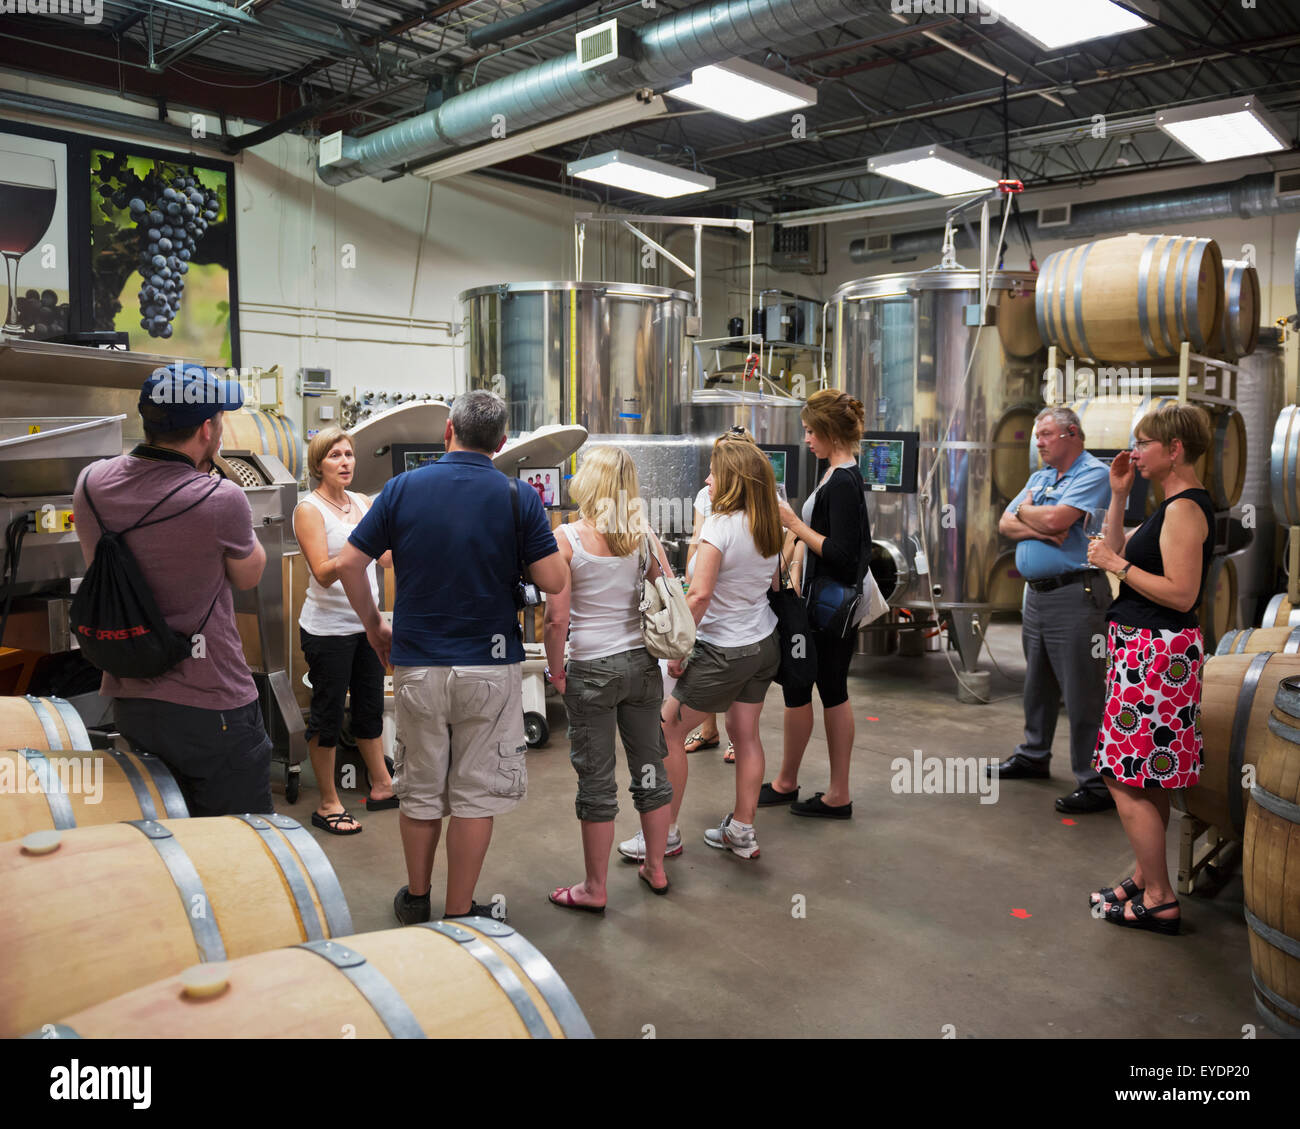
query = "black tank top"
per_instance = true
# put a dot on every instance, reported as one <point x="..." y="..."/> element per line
<point x="1143" y="552"/>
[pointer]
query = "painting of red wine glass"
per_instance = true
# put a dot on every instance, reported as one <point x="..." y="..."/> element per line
<point x="28" y="195"/>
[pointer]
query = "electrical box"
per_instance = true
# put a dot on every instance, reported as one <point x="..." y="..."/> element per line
<point x="801" y="249"/>
<point x="320" y="409"/>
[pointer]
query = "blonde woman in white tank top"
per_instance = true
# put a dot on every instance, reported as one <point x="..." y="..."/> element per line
<point x="611" y="683"/>
<point x="339" y="658"/>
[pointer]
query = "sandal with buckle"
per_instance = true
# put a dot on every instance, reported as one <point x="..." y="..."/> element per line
<point x="729" y="757"/>
<point x="699" y="741"/>
<point x="331" y="823"/>
<point x="1144" y="917"/>
<point x="1107" y="893"/>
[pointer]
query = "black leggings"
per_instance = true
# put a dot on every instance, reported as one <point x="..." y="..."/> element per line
<point x="833" y="657"/>
<point x="337" y="664"/>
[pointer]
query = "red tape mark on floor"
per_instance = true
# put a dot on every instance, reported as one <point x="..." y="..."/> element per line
<point x="1069" y="822"/>
<point x="1021" y="913"/>
<point x="873" y="719"/>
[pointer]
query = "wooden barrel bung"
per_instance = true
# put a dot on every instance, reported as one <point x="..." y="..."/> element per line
<point x="472" y="978"/>
<point x="1218" y="610"/>
<point x="1236" y="699"/>
<point x="1012" y="439"/>
<point x="162" y="895"/>
<point x="1237" y="333"/>
<point x="41" y="723"/>
<point x="1271" y="867"/>
<point x="1252" y="640"/>
<point x="1280" y="613"/>
<point x="1131" y="297"/>
<point x="82" y="789"/>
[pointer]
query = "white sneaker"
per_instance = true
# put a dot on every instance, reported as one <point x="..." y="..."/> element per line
<point x="728" y="838"/>
<point x="634" y="848"/>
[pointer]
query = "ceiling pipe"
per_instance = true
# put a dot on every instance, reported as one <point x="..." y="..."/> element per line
<point x="1249" y="198"/>
<point x="524" y="22"/>
<point x="670" y="48"/>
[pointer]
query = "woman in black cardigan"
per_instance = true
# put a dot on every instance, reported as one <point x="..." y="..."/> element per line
<point x="835" y="528"/>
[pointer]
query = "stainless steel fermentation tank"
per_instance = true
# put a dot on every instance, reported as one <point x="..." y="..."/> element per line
<point x="902" y="345"/>
<point x="609" y="356"/>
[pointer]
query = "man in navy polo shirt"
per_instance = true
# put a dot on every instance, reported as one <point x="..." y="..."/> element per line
<point x="455" y="645"/>
<point x="1065" y="608"/>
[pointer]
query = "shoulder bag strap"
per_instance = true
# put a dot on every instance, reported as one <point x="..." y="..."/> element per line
<point x="519" y="533"/>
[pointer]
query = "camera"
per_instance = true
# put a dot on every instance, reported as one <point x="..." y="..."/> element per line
<point x="526" y="595"/>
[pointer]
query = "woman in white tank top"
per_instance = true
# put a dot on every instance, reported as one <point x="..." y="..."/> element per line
<point x="611" y="682"/>
<point x="339" y="658"/>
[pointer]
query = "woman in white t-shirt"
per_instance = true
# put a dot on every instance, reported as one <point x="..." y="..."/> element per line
<point x="612" y="683"/>
<point x="736" y="652"/>
<point x="339" y="657"/>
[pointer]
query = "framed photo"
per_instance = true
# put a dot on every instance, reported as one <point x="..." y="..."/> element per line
<point x="546" y="481"/>
<point x="34" y="234"/>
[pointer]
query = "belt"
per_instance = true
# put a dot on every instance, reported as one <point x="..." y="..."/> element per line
<point x="1051" y="583"/>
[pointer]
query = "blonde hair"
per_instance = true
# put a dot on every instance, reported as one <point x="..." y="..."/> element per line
<point x="743" y="480"/>
<point x="322" y="443"/>
<point x="833" y="415"/>
<point x="608" y="494"/>
<point x="1187" y="423"/>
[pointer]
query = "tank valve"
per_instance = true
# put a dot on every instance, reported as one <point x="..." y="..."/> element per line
<point x="938" y="591"/>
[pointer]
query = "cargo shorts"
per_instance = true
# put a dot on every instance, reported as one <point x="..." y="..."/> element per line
<point x="460" y="740"/>
<point x="716" y="677"/>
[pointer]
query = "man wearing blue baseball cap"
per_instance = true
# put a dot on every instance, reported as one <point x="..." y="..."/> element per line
<point x="201" y="717"/>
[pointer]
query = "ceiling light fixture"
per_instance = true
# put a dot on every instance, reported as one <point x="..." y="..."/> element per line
<point x="575" y="127"/>
<point x="1060" y="24"/>
<point x="1217" y="131"/>
<point x="936" y="170"/>
<point x="744" y="90"/>
<point x="621" y="169"/>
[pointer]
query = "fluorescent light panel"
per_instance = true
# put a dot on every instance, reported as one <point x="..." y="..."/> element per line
<point x="1218" y="131"/>
<point x="575" y="127"/>
<point x="1058" y="23"/>
<point x="936" y="170"/>
<point x="744" y="90"/>
<point x="621" y="169"/>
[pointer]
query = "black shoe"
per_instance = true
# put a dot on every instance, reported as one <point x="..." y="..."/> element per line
<point x="477" y="910"/>
<point x="1013" y="768"/>
<point x="1081" y="802"/>
<point x="409" y="910"/>
<point x="769" y="796"/>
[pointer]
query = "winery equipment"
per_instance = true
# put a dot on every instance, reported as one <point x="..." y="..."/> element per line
<point x="903" y="346"/>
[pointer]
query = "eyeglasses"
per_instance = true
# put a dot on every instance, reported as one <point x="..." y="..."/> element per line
<point x="1142" y="444"/>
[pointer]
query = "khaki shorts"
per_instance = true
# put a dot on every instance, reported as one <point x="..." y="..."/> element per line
<point x="716" y="677"/>
<point x="460" y="740"/>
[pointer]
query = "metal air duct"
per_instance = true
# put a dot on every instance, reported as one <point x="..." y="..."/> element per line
<point x="1248" y="198"/>
<point x="671" y="48"/>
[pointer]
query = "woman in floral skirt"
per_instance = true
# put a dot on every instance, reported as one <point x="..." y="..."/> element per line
<point x="1150" y="739"/>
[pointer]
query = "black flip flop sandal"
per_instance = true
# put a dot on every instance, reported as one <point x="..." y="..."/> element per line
<point x="653" y="888"/>
<point x="331" y="823"/>
<point x="382" y="805"/>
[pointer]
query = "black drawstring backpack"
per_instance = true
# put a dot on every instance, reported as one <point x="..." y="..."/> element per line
<point x="114" y="614"/>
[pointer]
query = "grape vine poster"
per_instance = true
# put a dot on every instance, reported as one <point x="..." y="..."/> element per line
<point x="34" y="236"/>
<point x="161" y="253"/>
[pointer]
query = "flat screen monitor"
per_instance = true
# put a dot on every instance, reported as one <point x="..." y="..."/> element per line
<point x="410" y="456"/>
<point x="784" y="458"/>
<point x="887" y="460"/>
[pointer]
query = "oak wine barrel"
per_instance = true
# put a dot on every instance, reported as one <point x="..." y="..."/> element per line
<point x="1236" y="697"/>
<point x="45" y="791"/>
<point x="1012" y="439"/>
<point x="1237" y="333"/>
<point x="112" y="908"/>
<point x="1252" y="640"/>
<point x="265" y="431"/>
<point x="472" y="978"/>
<point x="41" y="723"/>
<point x="1280" y="613"/>
<point x="1218" y="610"/>
<point x="1285" y="487"/>
<point x="1006" y="587"/>
<point x="1131" y="297"/>
<point x="1271" y="867"/>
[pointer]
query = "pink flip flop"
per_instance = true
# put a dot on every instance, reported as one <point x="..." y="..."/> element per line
<point x="562" y="896"/>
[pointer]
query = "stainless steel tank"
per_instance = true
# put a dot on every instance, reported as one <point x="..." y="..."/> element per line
<point x="610" y="356"/>
<point x="902" y="345"/>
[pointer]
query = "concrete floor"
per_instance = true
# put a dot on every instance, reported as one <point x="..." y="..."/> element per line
<point x="909" y="922"/>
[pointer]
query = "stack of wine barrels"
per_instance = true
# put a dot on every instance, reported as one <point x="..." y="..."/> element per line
<point x="474" y="978"/>
<point x="1271" y="866"/>
<point x="1237" y="333"/>
<point x="1132" y="297"/>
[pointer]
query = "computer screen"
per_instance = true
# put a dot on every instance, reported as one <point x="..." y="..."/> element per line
<point x="784" y="458"/>
<point x="777" y="459"/>
<point x="411" y="456"/>
<point x="887" y="460"/>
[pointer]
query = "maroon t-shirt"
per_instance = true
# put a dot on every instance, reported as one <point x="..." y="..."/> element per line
<point x="183" y="561"/>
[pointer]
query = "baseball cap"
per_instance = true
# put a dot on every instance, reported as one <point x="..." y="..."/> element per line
<point x="182" y="396"/>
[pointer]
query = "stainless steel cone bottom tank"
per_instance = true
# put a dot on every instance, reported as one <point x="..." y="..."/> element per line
<point x="610" y="356"/>
<point x="903" y="344"/>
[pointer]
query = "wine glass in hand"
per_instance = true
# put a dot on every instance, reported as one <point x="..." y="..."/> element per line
<point x="1094" y="523"/>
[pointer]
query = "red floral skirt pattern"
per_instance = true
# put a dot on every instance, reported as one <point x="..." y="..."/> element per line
<point x="1151" y="731"/>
